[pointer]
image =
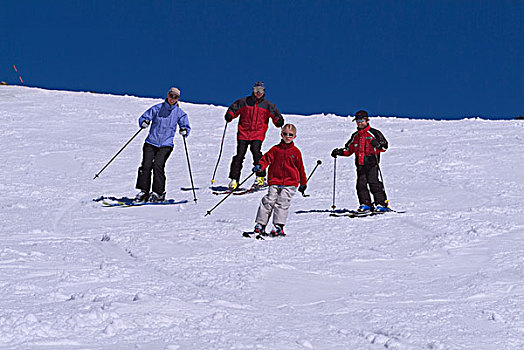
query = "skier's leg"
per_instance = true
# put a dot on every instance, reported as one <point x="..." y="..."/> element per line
<point x="159" y="173"/>
<point x="256" y="151"/>
<point x="236" y="163"/>
<point x="376" y="186"/>
<point x="266" y="205"/>
<point x="143" y="181"/>
<point x="283" y="202"/>
<point x="362" y="186"/>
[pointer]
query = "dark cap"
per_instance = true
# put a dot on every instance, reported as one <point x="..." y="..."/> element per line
<point x="361" y="115"/>
<point x="259" y="84"/>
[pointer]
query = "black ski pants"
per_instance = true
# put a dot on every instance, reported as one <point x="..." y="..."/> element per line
<point x="153" y="159"/>
<point x="238" y="159"/>
<point x="367" y="175"/>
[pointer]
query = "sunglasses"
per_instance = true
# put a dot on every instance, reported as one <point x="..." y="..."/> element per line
<point x="287" y="134"/>
<point x="173" y="96"/>
<point x="361" y="120"/>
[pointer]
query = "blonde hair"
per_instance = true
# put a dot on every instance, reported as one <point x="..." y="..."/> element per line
<point x="292" y="127"/>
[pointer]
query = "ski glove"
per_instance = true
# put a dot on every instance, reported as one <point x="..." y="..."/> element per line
<point x="228" y="117"/>
<point x="375" y="143"/>
<point x="183" y="132"/>
<point x="144" y="124"/>
<point x="302" y="188"/>
<point x="257" y="168"/>
<point x="337" y="152"/>
<point x="279" y="122"/>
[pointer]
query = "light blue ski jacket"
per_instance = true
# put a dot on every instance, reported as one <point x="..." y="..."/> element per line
<point x="164" y="119"/>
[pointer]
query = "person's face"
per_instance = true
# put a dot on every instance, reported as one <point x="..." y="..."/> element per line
<point x="258" y="91"/>
<point x="172" y="98"/>
<point x="362" y="123"/>
<point x="288" y="135"/>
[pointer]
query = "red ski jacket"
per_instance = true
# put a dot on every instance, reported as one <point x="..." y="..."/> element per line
<point x="360" y="145"/>
<point x="254" y="117"/>
<point x="285" y="165"/>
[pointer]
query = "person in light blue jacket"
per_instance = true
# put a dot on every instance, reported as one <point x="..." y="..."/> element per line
<point x="163" y="118"/>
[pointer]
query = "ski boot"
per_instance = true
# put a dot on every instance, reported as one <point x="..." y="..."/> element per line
<point x="155" y="197"/>
<point x="277" y="231"/>
<point x="260" y="230"/>
<point x="380" y="208"/>
<point x="364" y="208"/>
<point x="233" y="185"/>
<point x="142" y="196"/>
<point x="259" y="183"/>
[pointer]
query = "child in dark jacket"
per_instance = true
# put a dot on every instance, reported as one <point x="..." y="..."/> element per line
<point x="286" y="172"/>
<point x="366" y="144"/>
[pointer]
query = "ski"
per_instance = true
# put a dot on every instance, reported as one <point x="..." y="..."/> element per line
<point x="253" y="189"/>
<point x="220" y="190"/>
<point x="335" y="211"/>
<point x="189" y="188"/>
<point x="130" y="202"/>
<point x="250" y="234"/>
<point x="139" y="204"/>
<point x="358" y="214"/>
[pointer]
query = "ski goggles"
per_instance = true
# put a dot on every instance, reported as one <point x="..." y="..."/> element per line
<point x="258" y="89"/>
<point x="288" y="134"/>
<point x="173" y="96"/>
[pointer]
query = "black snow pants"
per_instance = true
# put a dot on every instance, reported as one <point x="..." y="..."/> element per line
<point x="238" y="159"/>
<point x="367" y="175"/>
<point x="153" y="159"/>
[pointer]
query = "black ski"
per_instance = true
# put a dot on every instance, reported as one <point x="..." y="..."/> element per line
<point x="359" y="214"/>
<point x="250" y="234"/>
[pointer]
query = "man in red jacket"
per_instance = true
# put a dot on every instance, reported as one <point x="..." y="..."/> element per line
<point x="367" y="144"/>
<point x="286" y="172"/>
<point x="255" y="112"/>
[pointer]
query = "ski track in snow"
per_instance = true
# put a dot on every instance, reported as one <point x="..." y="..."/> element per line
<point x="447" y="274"/>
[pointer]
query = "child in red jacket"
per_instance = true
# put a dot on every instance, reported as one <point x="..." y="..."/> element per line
<point x="367" y="143"/>
<point x="286" y="172"/>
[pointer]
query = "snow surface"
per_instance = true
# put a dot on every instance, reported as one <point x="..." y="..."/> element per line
<point x="447" y="274"/>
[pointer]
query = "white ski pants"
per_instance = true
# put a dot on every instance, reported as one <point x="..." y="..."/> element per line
<point x="276" y="201"/>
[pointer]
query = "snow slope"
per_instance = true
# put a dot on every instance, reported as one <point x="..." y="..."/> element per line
<point x="447" y="274"/>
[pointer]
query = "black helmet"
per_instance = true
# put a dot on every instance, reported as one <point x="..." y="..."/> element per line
<point x="361" y="115"/>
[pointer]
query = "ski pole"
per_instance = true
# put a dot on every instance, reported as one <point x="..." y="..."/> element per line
<point x="189" y="168"/>
<point x="379" y="171"/>
<point x="131" y="139"/>
<point x="229" y="194"/>
<point x="334" y="181"/>
<point x="311" y="174"/>
<point x="219" y="154"/>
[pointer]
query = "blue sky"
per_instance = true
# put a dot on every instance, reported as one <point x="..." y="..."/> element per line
<point x="413" y="58"/>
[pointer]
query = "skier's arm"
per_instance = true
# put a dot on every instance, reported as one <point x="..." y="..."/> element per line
<point x="266" y="159"/>
<point x="148" y="115"/>
<point x="278" y="119"/>
<point x="183" y="123"/>
<point x="381" y="144"/>
<point x="233" y="110"/>
<point x="301" y="170"/>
